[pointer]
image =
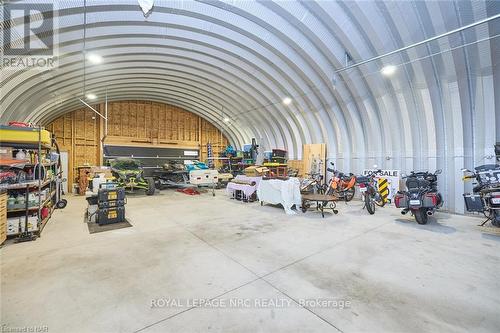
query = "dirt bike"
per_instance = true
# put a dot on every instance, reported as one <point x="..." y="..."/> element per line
<point x="485" y="196"/>
<point x="421" y="197"/>
<point x="368" y="186"/>
<point x="341" y="185"/>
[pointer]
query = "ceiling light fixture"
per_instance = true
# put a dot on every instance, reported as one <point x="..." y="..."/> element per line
<point x="146" y="6"/>
<point x="91" y="96"/>
<point x="388" y="70"/>
<point x="94" y="58"/>
<point x="287" y="100"/>
<point x="226" y="120"/>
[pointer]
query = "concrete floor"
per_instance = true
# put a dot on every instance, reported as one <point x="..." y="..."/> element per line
<point x="392" y="274"/>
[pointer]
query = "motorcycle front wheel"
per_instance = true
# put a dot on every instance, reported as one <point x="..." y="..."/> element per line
<point x="369" y="204"/>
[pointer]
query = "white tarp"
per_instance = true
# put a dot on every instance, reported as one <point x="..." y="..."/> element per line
<point x="284" y="192"/>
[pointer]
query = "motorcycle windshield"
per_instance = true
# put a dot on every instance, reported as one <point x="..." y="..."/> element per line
<point x="488" y="176"/>
<point x="487" y="167"/>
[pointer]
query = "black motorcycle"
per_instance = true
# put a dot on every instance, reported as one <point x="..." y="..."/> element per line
<point x="421" y="197"/>
<point x="370" y="195"/>
<point x="485" y="196"/>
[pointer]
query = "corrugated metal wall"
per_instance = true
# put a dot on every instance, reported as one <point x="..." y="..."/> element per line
<point x="239" y="59"/>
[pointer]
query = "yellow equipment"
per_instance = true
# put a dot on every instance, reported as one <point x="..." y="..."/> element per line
<point x="24" y="135"/>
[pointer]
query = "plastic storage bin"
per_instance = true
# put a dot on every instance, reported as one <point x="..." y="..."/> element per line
<point x="24" y="135"/>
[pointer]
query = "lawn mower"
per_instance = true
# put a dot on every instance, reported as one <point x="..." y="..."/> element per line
<point x="130" y="175"/>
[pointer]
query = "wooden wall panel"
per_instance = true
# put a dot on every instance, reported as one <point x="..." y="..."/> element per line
<point x="132" y="122"/>
<point x="297" y="164"/>
<point x="313" y="154"/>
<point x="210" y="134"/>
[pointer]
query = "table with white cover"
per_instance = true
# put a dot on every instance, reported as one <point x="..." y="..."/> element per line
<point x="284" y="192"/>
<point x="247" y="189"/>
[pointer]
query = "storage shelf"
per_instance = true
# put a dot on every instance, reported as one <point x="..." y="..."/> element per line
<point x="40" y="227"/>
<point x="24" y="145"/>
<point x="24" y="165"/>
<point x="41" y="141"/>
<point x="43" y="204"/>
<point x="44" y="164"/>
<point x="22" y="186"/>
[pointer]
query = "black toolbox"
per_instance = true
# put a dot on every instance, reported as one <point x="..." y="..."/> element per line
<point x="111" y="204"/>
<point x="111" y="194"/>
<point x="110" y="215"/>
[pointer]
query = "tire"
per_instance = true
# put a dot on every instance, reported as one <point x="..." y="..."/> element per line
<point x="420" y="215"/>
<point x="61" y="203"/>
<point x="496" y="218"/>
<point x="349" y="193"/>
<point x="369" y="204"/>
<point x="151" y="186"/>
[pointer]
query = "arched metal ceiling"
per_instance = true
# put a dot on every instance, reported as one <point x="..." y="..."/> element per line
<point x="239" y="59"/>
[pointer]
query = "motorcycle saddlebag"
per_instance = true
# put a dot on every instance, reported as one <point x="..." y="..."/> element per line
<point x="400" y="200"/>
<point x="473" y="202"/>
<point x="430" y="200"/>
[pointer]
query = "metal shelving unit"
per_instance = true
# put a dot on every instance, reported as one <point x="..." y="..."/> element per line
<point x="37" y="185"/>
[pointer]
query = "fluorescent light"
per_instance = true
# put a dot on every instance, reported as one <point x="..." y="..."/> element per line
<point x="388" y="70"/>
<point x="287" y="100"/>
<point x="91" y="96"/>
<point x="94" y="58"/>
<point x="226" y="120"/>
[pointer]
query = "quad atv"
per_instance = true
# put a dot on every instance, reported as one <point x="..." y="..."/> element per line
<point x="173" y="174"/>
<point x="130" y="175"/>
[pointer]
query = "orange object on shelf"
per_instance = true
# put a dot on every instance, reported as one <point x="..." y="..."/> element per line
<point x="18" y="124"/>
<point x="12" y="162"/>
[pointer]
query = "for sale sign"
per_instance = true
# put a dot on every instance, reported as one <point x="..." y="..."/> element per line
<point x="392" y="177"/>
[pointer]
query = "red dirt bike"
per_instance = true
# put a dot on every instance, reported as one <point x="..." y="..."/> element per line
<point x="341" y="185"/>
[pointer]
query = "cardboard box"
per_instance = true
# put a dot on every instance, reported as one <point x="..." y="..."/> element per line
<point x="256" y="171"/>
<point x="16" y="223"/>
<point x="101" y="170"/>
<point x="12" y="225"/>
<point x="6" y="153"/>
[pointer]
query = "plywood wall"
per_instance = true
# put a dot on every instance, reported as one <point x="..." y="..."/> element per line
<point x="152" y="122"/>
<point x="297" y="164"/>
<point x="313" y="154"/>
<point x="132" y="123"/>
